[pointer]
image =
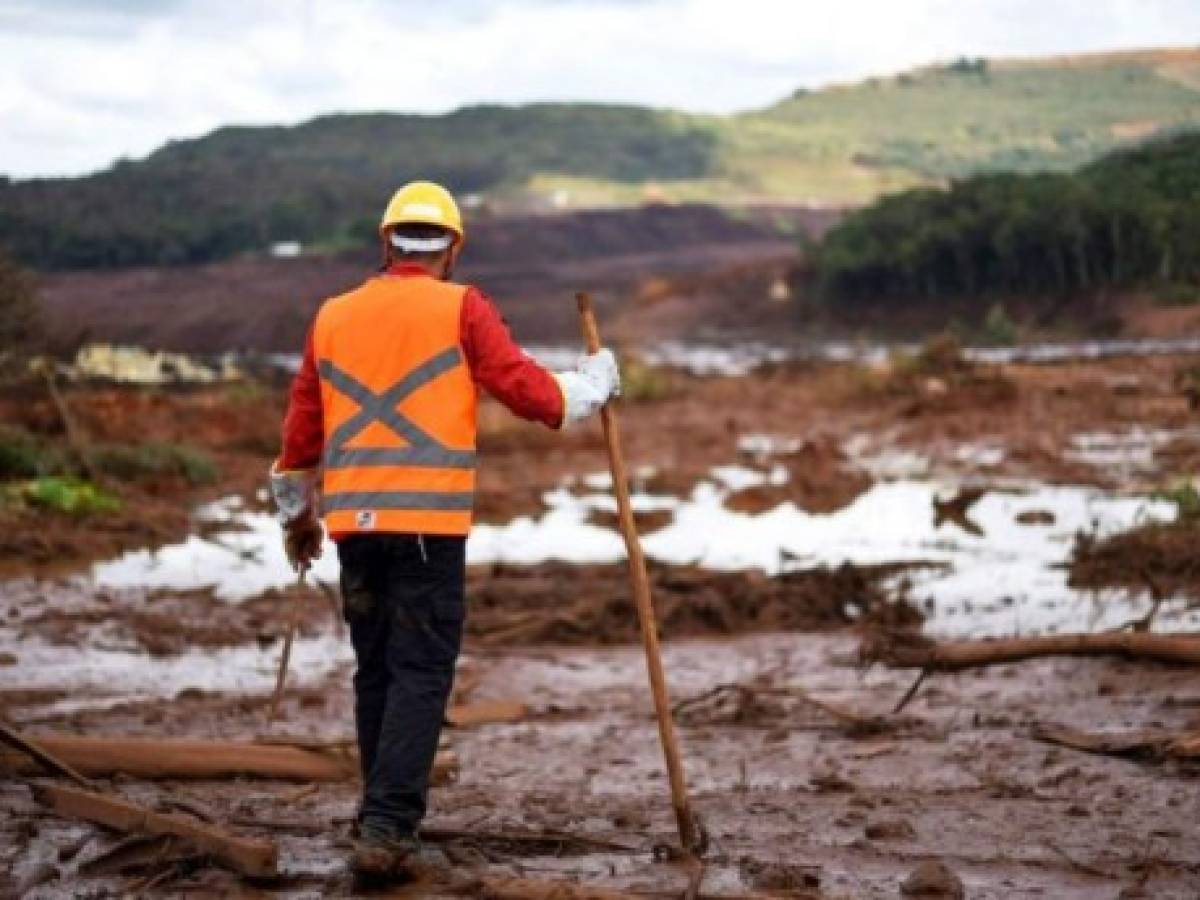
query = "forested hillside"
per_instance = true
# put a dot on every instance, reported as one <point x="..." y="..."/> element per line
<point x="1131" y="219"/>
<point x="240" y="189"/>
<point x="326" y="181"/>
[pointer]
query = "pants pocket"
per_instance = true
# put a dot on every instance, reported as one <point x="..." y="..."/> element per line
<point x="358" y="594"/>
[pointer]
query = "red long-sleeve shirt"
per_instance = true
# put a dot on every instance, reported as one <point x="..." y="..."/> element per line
<point x="496" y="362"/>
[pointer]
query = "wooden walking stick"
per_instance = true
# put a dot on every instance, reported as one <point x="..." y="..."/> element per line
<point x="285" y="658"/>
<point x="689" y="836"/>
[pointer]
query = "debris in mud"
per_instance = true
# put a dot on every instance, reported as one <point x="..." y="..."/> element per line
<point x="890" y="830"/>
<point x="500" y="504"/>
<point x="168" y="623"/>
<point x="485" y="712"/>
<point x="940" y="379"/>
<point x="1162" y="556"/>
<point x="139" y="853"/>
<point x="1035" y="517"/>
<point x="932" y="879"/>
<point x="249" y="856"/>
<point x="1187" y="382"/>
<point x="761" y="705"/>
<point x="956" y="510"/>
<point x="565" y="604"/>
<point x="909" y="650"/>
<point x="1153" y="744"/>
<point x="763" y="875"/>
<point x="520" y="842"/>
<point x="160" y="758"/>
<point x="820" y="478"/>
<point x="647" y="521"/>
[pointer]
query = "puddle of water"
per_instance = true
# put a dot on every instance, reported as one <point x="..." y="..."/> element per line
<point x="1012" y="579"/>
<point x="97" y="678"/>
<point x="1124" y="454"/>
<point x="741" y="358"/>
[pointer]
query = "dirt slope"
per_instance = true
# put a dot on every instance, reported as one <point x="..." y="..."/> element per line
<point x="532" y="265"/>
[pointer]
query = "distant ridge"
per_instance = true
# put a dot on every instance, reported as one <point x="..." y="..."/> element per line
<point x="239" y="190"/>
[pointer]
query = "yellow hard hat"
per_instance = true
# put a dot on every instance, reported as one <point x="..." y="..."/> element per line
<point x="425" y="203"/>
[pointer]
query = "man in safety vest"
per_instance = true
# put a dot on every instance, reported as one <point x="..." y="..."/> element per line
<point x="379" y="439"/>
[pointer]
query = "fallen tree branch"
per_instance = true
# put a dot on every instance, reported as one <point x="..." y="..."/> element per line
<point x="745" y="697"/>
<point x="1141" y="744"/>
<point x="39" y="753"/>
<point x="911" y="692"/>
<point x="317" y="745"/>
<point x="949" y="656"/>
<point x="138" y="852"/>
<point x="182" y="759"/>
<point x="256" y="858"/>
<point x="485" y="712"/>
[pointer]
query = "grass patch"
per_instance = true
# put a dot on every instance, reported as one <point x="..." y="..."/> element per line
<point x="641" y="383"/>
<point x="63" y="494"/>
<point x="1186" y="499"/>
<point x="24" y="455"/>
<point x="1176" y="294"/>
<point x="247" y="392"/>
<point x="154" y="460"/>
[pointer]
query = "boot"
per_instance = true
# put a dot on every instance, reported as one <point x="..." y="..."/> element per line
<point x="378" y="855"/>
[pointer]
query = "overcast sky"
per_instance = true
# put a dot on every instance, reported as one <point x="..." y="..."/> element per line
<point x="84" y="82"/>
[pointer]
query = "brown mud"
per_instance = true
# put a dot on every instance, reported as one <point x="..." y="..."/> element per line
<point x="1163" y="558"/>
<point x="531" y="265"/>
<point x="556" y="603"/>
<point x="783" y="788"/>
<point x="806" y="781"/>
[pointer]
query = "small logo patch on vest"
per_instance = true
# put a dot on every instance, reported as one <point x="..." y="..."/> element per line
<point x="365" y="518"/>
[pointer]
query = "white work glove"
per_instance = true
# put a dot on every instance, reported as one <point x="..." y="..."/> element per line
<point x="294" y="492"/>
<point x="593" y="383"/>
<point x="295" y="496"/>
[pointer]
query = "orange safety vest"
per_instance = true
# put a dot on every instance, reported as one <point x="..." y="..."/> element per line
<point x="399" y="408"/>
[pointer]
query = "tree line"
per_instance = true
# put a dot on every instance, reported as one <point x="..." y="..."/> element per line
<point x="325" y="182"/>
<point x="1128" y="220"/>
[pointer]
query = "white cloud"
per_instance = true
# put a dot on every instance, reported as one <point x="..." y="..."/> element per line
<point x="81" y="85"/>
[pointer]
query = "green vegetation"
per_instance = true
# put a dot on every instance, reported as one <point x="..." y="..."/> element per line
<point x="998" y="329"/>
<point x="239" y="189"/>
<point x="64" y="494"/>
<point x="134" y="462"/>
<point x="1186" y="499"/>
<point x="1132" y="219"/>
<point x="971" y="117"/>
<point x="24" y="455"/>
<point x="642" y="383"/>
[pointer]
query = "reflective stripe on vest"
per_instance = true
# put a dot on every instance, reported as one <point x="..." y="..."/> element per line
<point x="422" y="450"/>
<point x="399" y="405"/>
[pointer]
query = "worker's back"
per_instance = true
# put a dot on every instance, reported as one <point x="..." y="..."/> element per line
<point x="399" y="408"/>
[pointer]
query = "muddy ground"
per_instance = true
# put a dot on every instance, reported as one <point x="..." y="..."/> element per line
<point x="532" y="265"/>
<point x="808" y="785"/>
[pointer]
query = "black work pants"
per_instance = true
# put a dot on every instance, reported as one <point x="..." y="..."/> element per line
<point x="403" y="599"/>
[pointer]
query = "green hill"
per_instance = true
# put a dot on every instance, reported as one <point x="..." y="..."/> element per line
<point x="323" y="182"/>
